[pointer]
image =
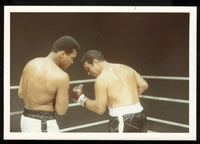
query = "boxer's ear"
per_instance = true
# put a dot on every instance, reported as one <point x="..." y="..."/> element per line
<point x="62" y="54"/>
<point x="95" y="61"/>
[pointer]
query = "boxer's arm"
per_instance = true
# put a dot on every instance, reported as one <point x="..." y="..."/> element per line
<point x="99" y="104"/>
<point x="62" y="97"/>
<point x="20" y="89"/>
<point x="142" y="85"/>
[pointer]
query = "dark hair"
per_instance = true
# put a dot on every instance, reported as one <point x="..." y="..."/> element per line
<point x="66" y="43"/>
<point x="91" y="55"/>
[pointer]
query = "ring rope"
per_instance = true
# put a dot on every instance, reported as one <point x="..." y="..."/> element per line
<point x="106" y="121"/>
<point x="167" y="122"/>
<point x="166" y="77"/>
<point x="147" y="77"/>
<point x="164" y="99"/>
<point x="84" y="126"/>
<point x="20" y="112"/>
<point x="141" y="96"/>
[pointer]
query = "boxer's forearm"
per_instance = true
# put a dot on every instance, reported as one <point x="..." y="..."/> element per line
<point x="92" y="105"/>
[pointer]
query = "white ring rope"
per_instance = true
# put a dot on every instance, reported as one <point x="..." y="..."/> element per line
<point x="147" y="77"/>
<point x="164" y="99"/>
<point x="106" y="121"/>
<point x="141" y="96"/>
<point x="20" y="112"/>
<point x="84" y="126"/>
<point x="168" y="122"/>
<point x="166" y="77"/>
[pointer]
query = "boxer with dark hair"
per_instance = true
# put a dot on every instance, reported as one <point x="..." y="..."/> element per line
<point x="117" y="87"/>
<point x="44" y="87"/>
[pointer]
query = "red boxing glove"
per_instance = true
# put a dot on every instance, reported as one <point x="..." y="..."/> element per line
<point x="78" y="95"/>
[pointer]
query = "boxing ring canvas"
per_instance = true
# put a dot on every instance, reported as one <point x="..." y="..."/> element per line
<point x="158" y="42"/>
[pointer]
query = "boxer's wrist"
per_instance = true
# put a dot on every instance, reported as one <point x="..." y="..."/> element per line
<point x="82" y="99"/>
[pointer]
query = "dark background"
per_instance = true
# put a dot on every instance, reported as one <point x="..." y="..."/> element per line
<point x="151" y="43"/>
<point x="103" y="3"/>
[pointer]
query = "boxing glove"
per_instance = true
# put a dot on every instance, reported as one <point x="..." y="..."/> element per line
<point x="78" y="95"/>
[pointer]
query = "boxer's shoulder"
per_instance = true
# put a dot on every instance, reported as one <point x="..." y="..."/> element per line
<point x="103" y="79"/>
<point x="43" y="69"/>
<point x="61" y="78"/>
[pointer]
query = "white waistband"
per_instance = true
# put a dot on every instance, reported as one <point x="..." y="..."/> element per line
<point x="136" y="108"/>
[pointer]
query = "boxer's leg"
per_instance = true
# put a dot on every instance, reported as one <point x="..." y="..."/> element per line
<point x="30" y="124"/>
<point x="135" y="122"/>
<point x="52" y="126"/>
<point x="113" y="124"/>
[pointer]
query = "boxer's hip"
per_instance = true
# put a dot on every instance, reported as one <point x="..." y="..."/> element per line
<point x="41" y="115"/>
<point x="129" y="118"/>
<point x="129" y="109"/>
<point x="38" y="121"/>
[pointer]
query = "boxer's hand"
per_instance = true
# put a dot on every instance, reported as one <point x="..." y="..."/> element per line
<point x="78" y="94"/>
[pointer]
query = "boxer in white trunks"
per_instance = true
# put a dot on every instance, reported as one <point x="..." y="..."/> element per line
<point x="117" y="87"/>
<point x="44" y="87"/>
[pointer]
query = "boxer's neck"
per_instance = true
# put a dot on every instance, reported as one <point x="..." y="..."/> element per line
<point x="103" y="65"/>
<point x="53" y="57"/>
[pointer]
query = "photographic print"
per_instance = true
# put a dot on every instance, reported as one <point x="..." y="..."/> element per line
<point x="136" y="66"/>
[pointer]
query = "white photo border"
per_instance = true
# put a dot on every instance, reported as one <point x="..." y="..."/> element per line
<point x="191" y="135"/>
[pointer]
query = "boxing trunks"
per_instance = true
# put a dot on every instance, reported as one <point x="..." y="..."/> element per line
<point x="129" y="118"/>
<point x="38" y="121"/>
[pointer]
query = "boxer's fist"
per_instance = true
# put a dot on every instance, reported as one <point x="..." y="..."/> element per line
<point x="78" y="94"/>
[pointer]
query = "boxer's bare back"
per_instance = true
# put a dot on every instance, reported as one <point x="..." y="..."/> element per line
<point x="116" y="85"/>
<point x="122" y="84"/>
<point x="44" y="86"/>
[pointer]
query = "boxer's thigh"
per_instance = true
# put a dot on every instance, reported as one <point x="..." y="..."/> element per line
<point x="30" y="124"/>
<point x="113" y="124"/>
<point x="135" y="123"/>
<point x="52" y="126"/>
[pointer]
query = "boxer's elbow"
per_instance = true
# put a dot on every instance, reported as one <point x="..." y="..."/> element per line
<point x="61" y="110"/>
<point x="142" y="87"/>
<point x="60" y="113"/>
<point x="20" y="94"/>
<point x="145" y="86"/>
<point x="100" y="110"/>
